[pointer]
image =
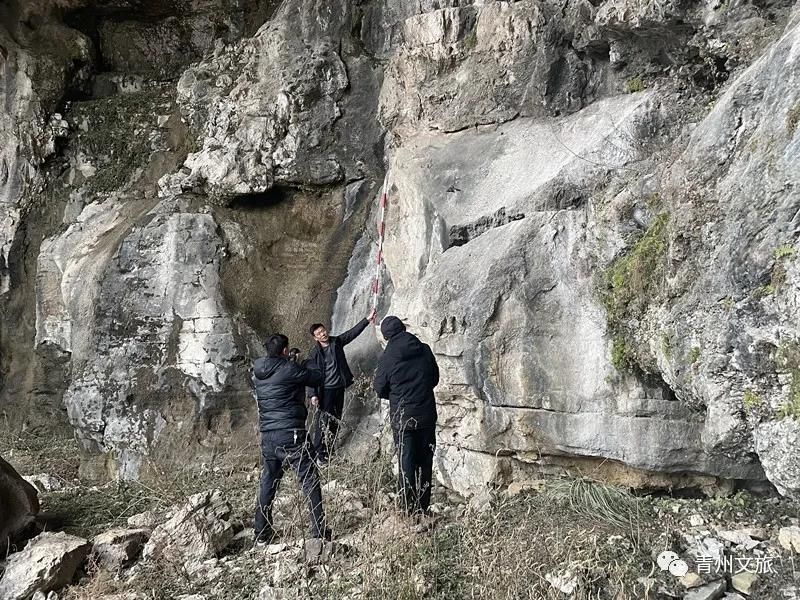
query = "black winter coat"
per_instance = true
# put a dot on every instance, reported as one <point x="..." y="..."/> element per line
<point x="317" y="357"/>
<point x="406" y="374"/>
<point x="279" y="389"/>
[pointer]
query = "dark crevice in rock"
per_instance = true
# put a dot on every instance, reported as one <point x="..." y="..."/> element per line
<point x="287" y="230"/>
<point x="711" y="72"/>
<point x="271" y="197"/>
<point x="462" y="234"/>
<point x="599" y="51"/>
<point x="654" y="384"/>
<point x="567" y="197"/>
<point x="86" y="21"/>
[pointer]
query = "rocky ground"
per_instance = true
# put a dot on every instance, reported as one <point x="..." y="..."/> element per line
<point x="187" y="534"/>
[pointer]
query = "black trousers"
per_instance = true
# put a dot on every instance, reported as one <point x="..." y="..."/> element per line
<point x="279" y="449"/>
<point x="329" y="414"/>
<point x="415" y="448"/>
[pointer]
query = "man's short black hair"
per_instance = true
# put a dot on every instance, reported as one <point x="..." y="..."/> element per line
<point x="314" y="327"/>
<point x="276" y="344"/>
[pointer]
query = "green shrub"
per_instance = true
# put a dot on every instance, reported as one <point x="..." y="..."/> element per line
<point x="694" y="354"/>
<point x="666" y="345"/>
<point x="784" y="251"/>
<point x="788" y="360"/>
<point x="620" y="354"/>
<point x="634" y="279"/>
<point x="751" y="399"/>
<point x="635" y="85"/>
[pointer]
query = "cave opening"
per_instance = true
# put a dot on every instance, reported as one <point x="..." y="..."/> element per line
<point x="260" y="200"/>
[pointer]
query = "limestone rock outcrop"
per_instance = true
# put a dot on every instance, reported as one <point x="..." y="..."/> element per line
<point x="592" y="220"/>
<point x="586" y="297"/>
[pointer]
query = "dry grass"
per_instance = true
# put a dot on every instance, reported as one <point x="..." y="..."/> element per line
<point x="601" y="537"/>
<point x="33" y="452"/>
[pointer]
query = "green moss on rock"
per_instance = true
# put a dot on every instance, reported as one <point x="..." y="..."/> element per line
<point x="694" y="354"/>
<point x="620" y="354"/>
<point x="751" y="399"/>
<point x="634" y="85"/>
<point x="630" y="285"/>
<point x="634" y="279"/>
<point x="788" y="360"/>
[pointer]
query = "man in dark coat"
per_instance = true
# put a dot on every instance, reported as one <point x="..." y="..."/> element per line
<point x="282" y="416"/>
<point x="406" y="374"/>
<point x="328" y="357"/>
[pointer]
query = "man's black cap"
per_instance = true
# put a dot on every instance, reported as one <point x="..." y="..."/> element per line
<point x="391" y="326"/>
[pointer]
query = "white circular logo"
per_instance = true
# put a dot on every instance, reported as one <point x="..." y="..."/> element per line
<point x="666" y="557"/>
<point x="669" y="561"/>
<point x="679" y="568"/>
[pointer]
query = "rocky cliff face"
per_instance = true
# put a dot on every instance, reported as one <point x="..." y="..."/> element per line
<point x="593" y="220"/>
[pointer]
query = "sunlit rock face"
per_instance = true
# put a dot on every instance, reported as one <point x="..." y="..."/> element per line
<point x="589" y="289"/>
<point x="592" y="220"/>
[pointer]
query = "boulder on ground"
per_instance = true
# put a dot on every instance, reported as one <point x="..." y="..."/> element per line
<point x="149" y="519"/>
<point x="744" y="582"/>
<point x="116" y="549"/>
<point x="48" y="563"/>
<point x="789" y="538"/>
<point x="199" y="529"/>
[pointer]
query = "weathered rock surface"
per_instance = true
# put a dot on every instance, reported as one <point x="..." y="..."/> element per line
<point x="710" y="591"/>
<point x="745" y="582"/>
<point x="197" y="530"/>
<point x="144" y="347"/>
<point x="274" y="109"/>
<point x="19" y="501"/>
<point x="166" y="44"/>
<point x="40" y="63"/>
<point x="789" y="538"/>
<point x="652" y="370"/>
<point x="592" y="221"/>
<point x="44" y="482"/>
<point x="148" y="520"/>
<point x="116" y="549"/>
<point x="47" y="563"/>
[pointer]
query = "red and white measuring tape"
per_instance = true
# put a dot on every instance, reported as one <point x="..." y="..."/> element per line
<point x="376" y="282"/>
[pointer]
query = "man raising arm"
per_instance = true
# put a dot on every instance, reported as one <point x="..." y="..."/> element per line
<point x="328" y="357"/>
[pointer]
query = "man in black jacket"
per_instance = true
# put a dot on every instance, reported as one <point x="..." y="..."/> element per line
<point x="406" y="374"/>
<point x="282" y="416"/>
<point x="328" y="357"/>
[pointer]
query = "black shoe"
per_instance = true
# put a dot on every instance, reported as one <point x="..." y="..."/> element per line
<point x="266" y="537"/>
